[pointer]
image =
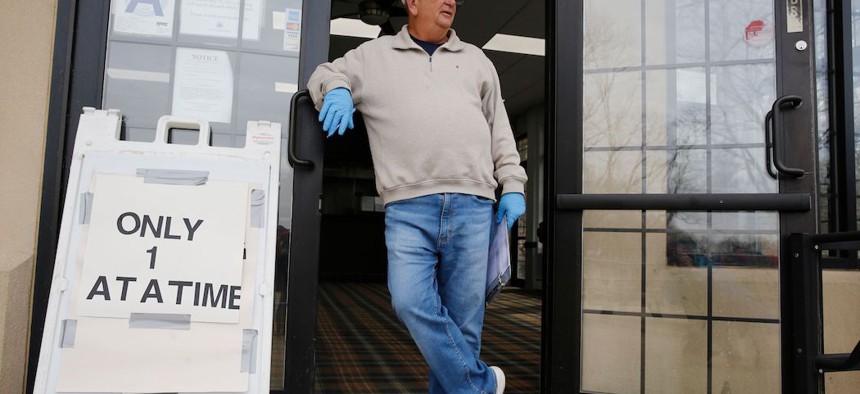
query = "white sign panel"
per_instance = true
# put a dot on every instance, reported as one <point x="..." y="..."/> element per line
<point x="179" y="250"/>
<point x="144" y="17"/>
<point x="203" y="85"/>
<point x="220" y="18"/>
<point x="108" y="357"/>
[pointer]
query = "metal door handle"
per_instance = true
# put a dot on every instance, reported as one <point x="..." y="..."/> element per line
<point x="768" y="145"/>
<point x="772" y="132"/>
<point x="291" y="144"/>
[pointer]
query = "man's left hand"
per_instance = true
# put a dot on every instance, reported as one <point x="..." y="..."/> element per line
<point x="512" y="206"/>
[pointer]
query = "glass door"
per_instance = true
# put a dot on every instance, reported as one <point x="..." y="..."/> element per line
<point x="232" y="61"/>
<point x="683" y="135"/>
<point x="227" y="61"/>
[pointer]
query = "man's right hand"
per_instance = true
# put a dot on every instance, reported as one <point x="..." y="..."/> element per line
<point x="336" y="112"/>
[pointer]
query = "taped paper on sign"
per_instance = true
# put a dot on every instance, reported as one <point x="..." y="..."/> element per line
<point x="176" y="251"/>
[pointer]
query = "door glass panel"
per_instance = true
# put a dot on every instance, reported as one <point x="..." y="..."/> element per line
<point x="253" y="47"/>
<point x="841" y="382"/>
<point x="855" y="28"/>
<point x="840" y="288"/>
<point x="675" y="95"/>
<point x="745" y="357"/>
<point x="841" y="310"/>
<point x="676" y="356"/>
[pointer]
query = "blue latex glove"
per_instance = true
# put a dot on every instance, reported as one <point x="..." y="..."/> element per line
<point x="512" y="205"/>
<point x="336" y="112"/>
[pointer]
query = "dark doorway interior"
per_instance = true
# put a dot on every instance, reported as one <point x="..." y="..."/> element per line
<point x="361" y="347"/>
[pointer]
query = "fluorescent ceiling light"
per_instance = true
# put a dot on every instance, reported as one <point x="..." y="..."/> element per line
<point x="516" y="44"/>
<point x="353" y="28"/>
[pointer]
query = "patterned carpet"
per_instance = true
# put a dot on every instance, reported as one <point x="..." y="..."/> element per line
<point x="363" y="348"/>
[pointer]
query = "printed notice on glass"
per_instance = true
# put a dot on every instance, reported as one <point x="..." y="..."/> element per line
<point x="293" y="29"/>
<point x="220" y="18"/>
<point x="203" y="85"/>
<point x="252" y="19"/>
<point x="144" y="17"/>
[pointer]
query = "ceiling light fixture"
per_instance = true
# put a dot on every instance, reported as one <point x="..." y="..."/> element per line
<point x="516" y="44"/>
<point x="352" y="28"/>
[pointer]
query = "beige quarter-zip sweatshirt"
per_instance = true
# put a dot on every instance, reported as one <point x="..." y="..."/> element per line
<point x="436" y="124"/>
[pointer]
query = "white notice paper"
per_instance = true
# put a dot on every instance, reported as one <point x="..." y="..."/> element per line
<point x="220" y="18"/>
<point x="144" y="17"/>
<point x="110" y="357"/>
<point x="164" y="249"/>
<point x="203" y="85"/>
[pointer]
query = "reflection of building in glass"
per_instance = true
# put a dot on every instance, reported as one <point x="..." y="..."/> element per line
<point x="691" y="250"/>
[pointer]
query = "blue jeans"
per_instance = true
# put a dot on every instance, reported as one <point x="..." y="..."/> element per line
<point x="437" y="273"/>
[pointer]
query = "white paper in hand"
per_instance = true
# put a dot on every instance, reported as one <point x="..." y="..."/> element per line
<point x="499" y="261"/>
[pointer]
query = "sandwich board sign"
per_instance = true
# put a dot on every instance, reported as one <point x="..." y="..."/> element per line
<point x="163" y="278"/>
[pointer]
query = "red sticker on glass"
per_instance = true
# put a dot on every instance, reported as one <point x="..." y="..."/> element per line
<point x="758" y="33"/>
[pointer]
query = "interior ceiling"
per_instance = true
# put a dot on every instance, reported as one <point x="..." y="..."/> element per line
<point x="476" y="22"/>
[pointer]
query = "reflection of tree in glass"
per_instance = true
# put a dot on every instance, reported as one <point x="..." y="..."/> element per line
<point x="714" y="138"/>
<point x="607" y="42"/>
<point x="743" y="97"/>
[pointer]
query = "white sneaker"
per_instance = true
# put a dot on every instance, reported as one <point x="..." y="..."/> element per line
<point x="500" y="379"/>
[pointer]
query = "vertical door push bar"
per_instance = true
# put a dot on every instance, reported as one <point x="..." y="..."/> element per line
<point x="291" y="144"/>
<point x="772" y="131"/>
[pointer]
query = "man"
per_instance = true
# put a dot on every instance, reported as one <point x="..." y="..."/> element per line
<point x="441" y="144"/>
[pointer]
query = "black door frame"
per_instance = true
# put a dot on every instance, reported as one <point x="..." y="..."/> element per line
<point x="307" y="142"/>
<point x="565" y="203"/>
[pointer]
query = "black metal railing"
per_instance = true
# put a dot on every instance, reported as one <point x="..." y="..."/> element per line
<point x="806" y="321"/>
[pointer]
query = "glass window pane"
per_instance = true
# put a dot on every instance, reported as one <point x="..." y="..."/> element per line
<point x="612" y="109"/>
<point x="676" y="276"/>
<point x="741" y="30"/>
<point x="841" y="382"/>
<point x="746" y="358"/>
<point x="740" y="171"/>
<point x="610" y="353"/>
<point x="676" y="356"/>
<point x="688" y="171"/>
<point x="676" y="106"/>
<point x="745" y="292"/>
<point x="224" y="61"/>
<point x="266" y="85"/>
<point x="841" y="302"/>
<point x="613" y="172"/>
<point x="675" y="30"/>
<point x="612" y="275"/>
<point x="137" y="81"/>
<point x="612" y="33"/>
<point x="740" y="98"/>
